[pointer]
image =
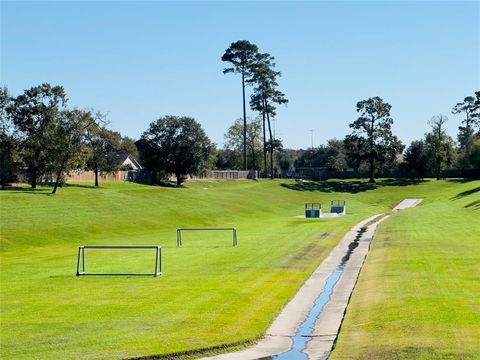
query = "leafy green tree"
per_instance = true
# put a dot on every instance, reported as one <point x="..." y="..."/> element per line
<point x="372" y="136"/>
<point x="8" y="142"/>
<point x="234" y="140"/>
<point x="474" y="155"/>
<point x="287" y="159"/>
<point x="333" y="164"/>
<point x="35" y="115"/>
<point x="226" y="159"/>
<point x="176" y="145"/>
<point x="128" y="145"/>
<point x="470" y="107"/>
<point x="69" y="147"/>
<point x="241" y="54"/>
<point x="275" y="147"/>
<point x="105" y="148"/>
<point x="323" y="155"/>
<point x="265" y="97"/>
<point x="416" y="160"/>
<point x="440" y="146"/>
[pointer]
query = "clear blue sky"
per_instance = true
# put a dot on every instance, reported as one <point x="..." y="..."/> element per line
<point x="138" y="61"/>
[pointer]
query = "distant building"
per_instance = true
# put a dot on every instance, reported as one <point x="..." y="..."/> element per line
<point x="129" y="162"/>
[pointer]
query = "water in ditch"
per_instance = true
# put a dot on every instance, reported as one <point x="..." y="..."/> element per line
<point x="304" y="333"/>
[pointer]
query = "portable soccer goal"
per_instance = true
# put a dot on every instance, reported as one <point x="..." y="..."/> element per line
<point x="82" y="266"/>
<point x="233" y="230"/>
<point x="313" y="210"/>
<point x="338" y="207"/>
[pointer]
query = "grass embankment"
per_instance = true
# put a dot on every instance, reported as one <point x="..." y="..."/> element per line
<point x="211" y="293"/>
<point x="418" y="295"/>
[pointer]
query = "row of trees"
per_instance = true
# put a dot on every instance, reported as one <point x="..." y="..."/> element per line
<point x="437" y="150"/>
<point x="258" y="70"/>
<point x="372" y="142"/>
<point x="371" y="147"/>
<point x="39" y="135"/>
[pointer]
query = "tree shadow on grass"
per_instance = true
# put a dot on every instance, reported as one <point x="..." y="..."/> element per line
<point x="460" y="181"/>
<point x="27" y="190"/>
<point x="466" y="193"/>
<point x="46" y="188"/>
<point x="352" y="187"/>
<point x="474" y="205"/>
<point x="83" y="186"/>
<point x="402" y="182"/>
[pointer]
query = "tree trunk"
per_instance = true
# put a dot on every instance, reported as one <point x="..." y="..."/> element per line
<point x="96" y="176"/>
<point x="437" y="170"/>
<point x="271" y="146"/>
<point x="59" y="173"/>
<point x="34" y="178"/>
<point x="179" y="179"/>
<point x="371" y="171"/>
<point x="244" y="124"/>
<point x="254" y="165"/>
<point x="264" y="145"/>
<point x="372" y="159"/>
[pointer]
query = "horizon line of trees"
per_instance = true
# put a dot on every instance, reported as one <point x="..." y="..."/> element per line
<point x="371" y="148"/>
<point x="40" y="135"/>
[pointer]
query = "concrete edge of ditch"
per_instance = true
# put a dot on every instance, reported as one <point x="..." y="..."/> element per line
<point x="278" y="338"/>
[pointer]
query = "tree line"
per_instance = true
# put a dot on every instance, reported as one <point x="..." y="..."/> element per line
<point x="40" y="135"/>
<point x="371" y="148"/>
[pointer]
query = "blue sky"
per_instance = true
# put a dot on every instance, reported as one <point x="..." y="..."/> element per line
<point x="137" y="61"/>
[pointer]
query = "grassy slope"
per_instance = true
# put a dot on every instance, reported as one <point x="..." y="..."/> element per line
<point x="210" y="294"/>
<point x="418" y="293"/>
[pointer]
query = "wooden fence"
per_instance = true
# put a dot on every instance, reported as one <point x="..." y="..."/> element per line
<point x="141" y="176"/>
<point x="89" y="176"/>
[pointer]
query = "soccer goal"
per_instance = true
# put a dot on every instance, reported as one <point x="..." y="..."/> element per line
<point x="82" y="266"/>
<point x="338" y="207"/>
<point x="233" y="230"/>
<point x="313" y="210"/>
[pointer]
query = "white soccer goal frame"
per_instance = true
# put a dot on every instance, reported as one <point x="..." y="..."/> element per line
<point x="233" y="230"/>
<point x="82" y="264"/>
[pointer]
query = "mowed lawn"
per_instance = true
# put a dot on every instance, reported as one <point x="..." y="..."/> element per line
<point x="418" y="295"/>
<point x="211" y="293"/>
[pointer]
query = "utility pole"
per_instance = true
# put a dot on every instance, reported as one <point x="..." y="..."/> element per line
<point x="311" y="134"/>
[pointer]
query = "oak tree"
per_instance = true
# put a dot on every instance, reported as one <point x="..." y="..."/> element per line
<point x="176" y="145"/>
<point x="372" y="136"/>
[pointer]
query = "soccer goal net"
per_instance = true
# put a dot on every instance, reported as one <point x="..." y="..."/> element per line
<point x="181" y="230"/>
<point x="121" y="260"/>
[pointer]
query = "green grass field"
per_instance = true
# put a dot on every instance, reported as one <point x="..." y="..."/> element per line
<point x="418" y="295"/>
<point x="211" y="293"/>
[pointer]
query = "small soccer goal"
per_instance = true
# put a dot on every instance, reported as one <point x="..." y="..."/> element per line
<point x="108" y="256"/>
<point x="338" y="207"/>
<point x="313" y="210"/>
<point x="233" y="230"/>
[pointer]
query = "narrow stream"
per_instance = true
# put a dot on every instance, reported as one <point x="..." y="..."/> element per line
<point x="304" y="333"/>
